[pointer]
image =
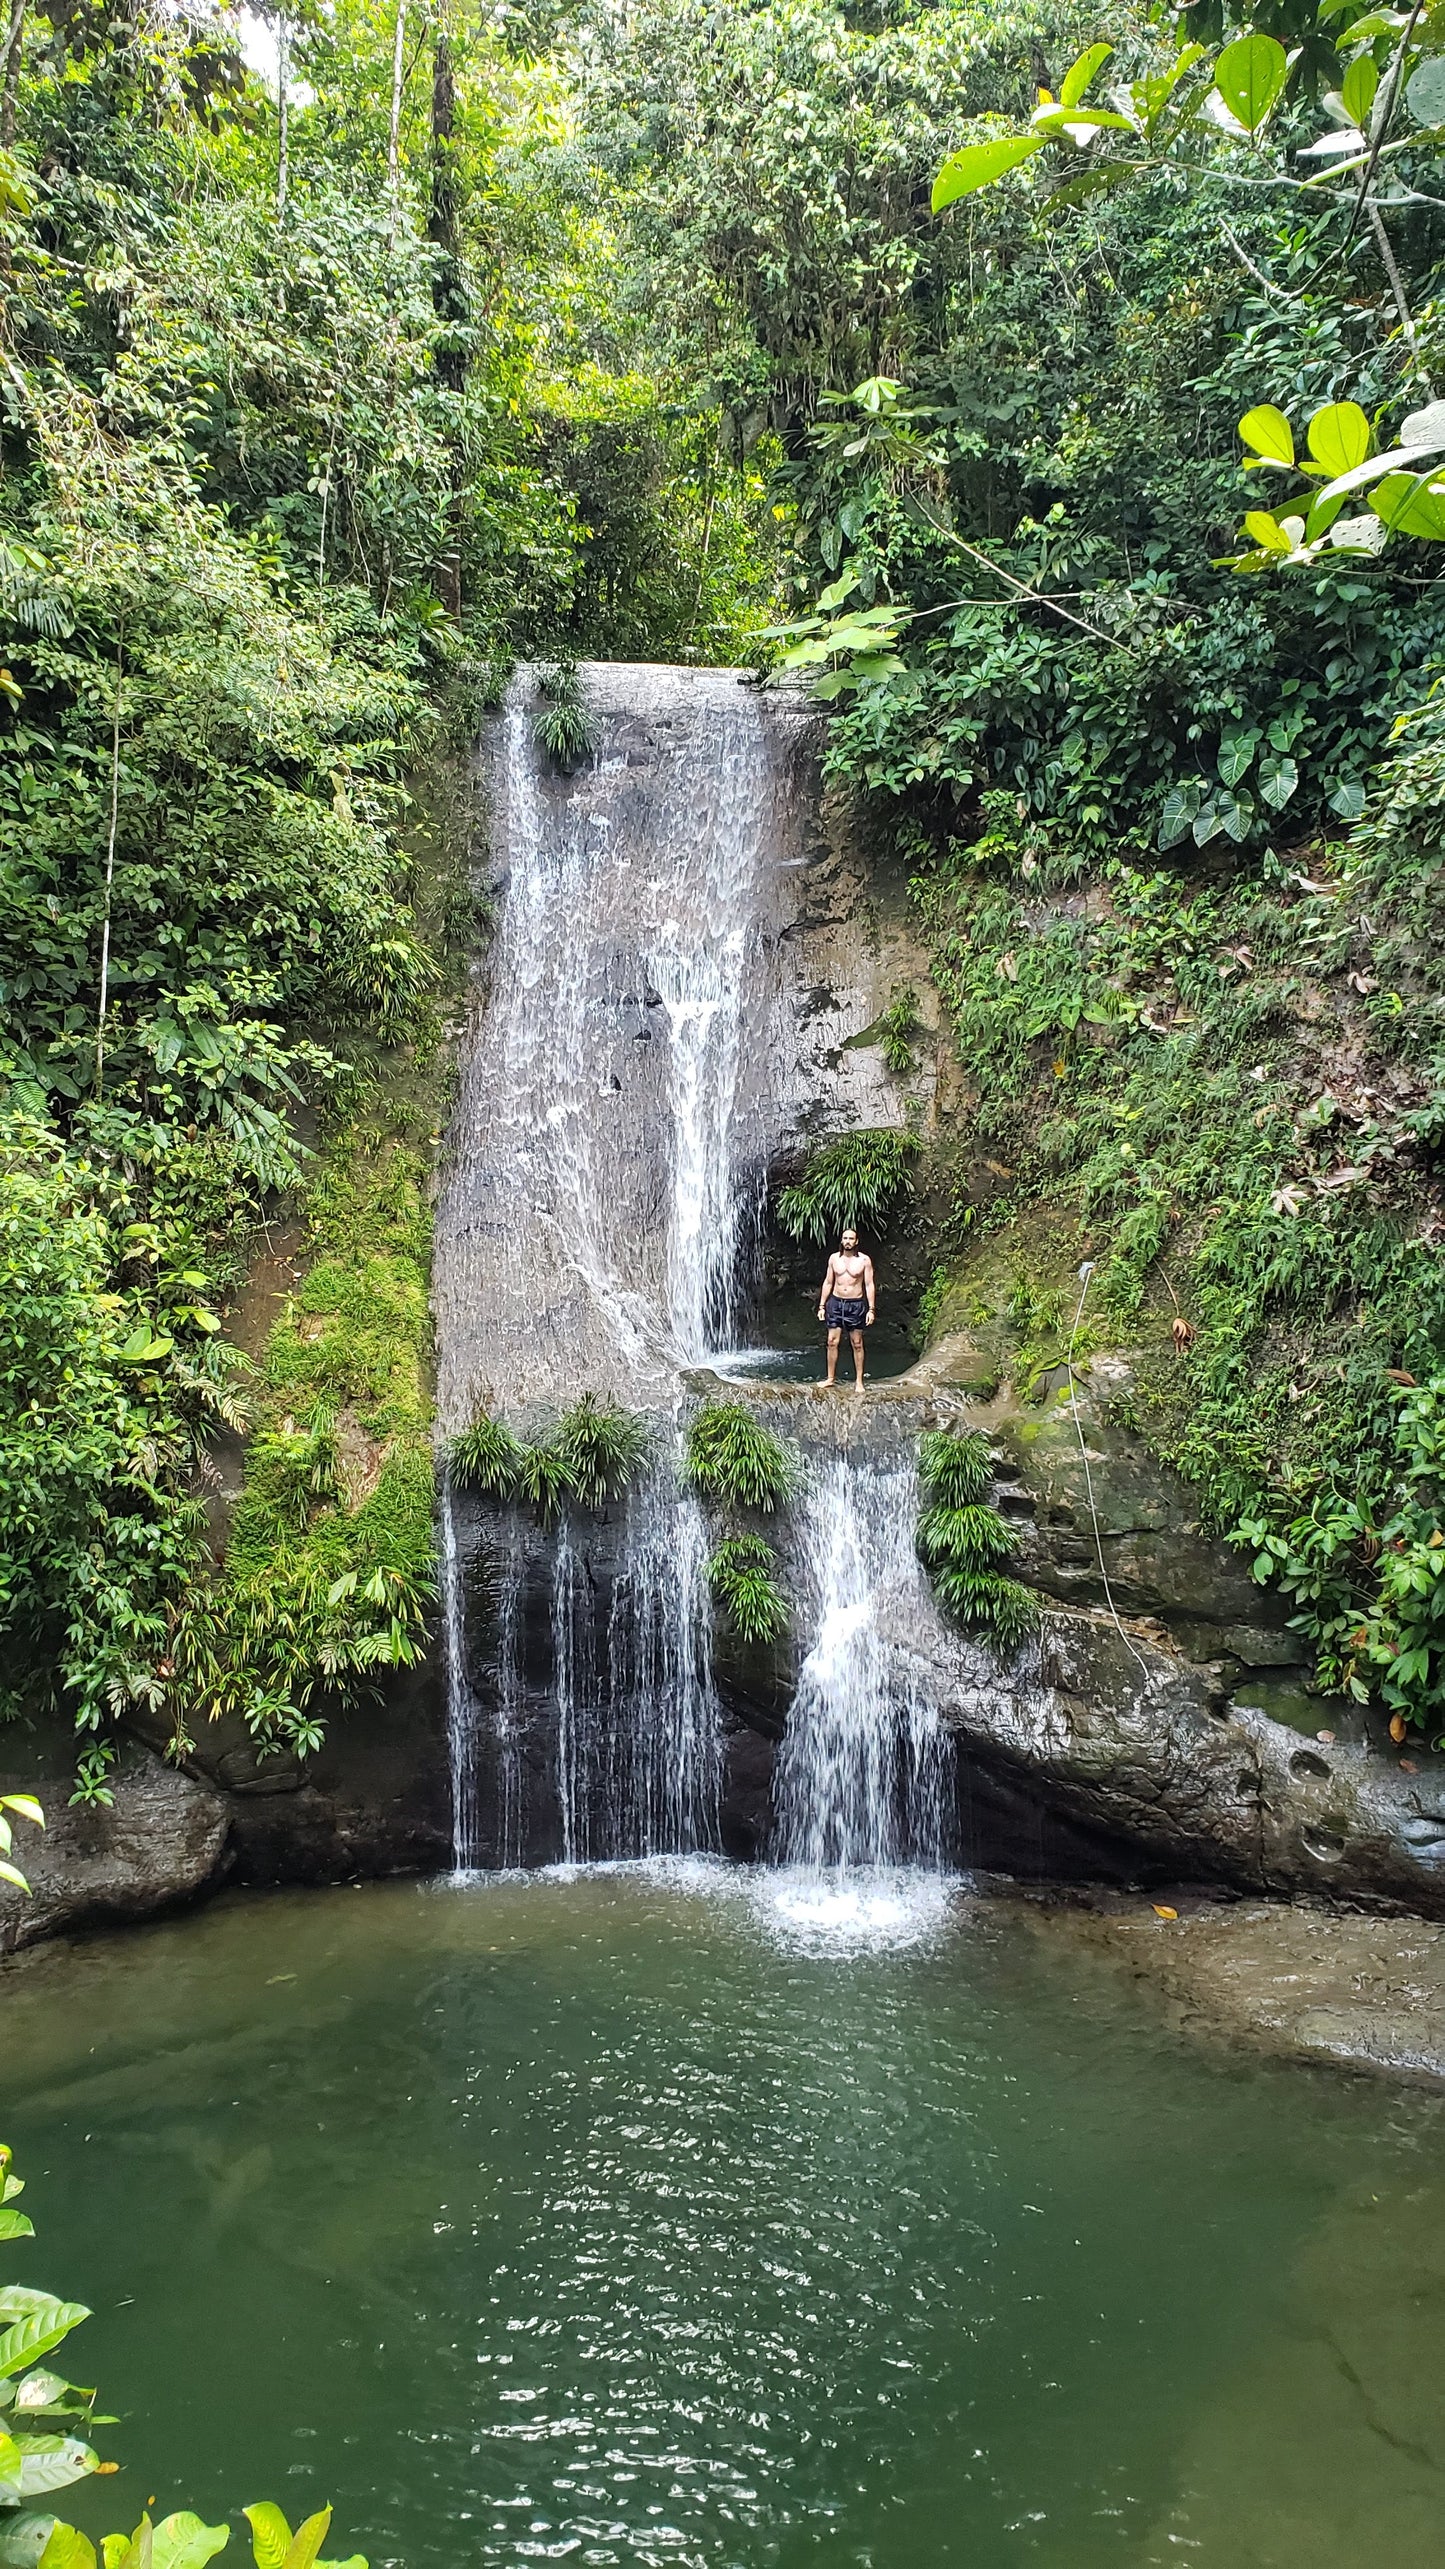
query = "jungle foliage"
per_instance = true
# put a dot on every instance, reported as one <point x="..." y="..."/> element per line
<point x="592" y="1455"/>
<point x="742" y="1571"/>
<point x="963" y="1541"/>
<point x="1164" y="760"/>
<point x="731" y="1455"/>
<point x="311" y="415"/>
<point x="856" y="1181"/>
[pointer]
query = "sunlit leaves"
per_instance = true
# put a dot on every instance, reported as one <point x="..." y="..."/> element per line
<point x="1339" y="437"/>
<point x="979" y="164"/>
<point x="1268" y="431"/>
<point x="1250" y="76"/>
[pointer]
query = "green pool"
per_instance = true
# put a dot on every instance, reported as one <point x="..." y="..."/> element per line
<point x="625" y="2220"/>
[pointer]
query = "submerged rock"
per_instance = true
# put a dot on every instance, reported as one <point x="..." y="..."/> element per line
<point x="1300" y="1978"/>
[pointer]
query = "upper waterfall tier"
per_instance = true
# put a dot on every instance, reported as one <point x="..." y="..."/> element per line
<point x="635" y="1057"/>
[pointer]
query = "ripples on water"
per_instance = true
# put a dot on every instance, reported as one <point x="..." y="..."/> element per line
<point x="653" y="2216"/>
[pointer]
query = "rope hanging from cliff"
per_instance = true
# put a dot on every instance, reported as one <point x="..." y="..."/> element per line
<point x="1086" y="1277"/>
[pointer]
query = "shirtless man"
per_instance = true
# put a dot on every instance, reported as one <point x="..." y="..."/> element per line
<point x="848" y="1301"/>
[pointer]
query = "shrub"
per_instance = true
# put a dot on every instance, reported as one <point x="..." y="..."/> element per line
<point x="563" y="727"/>
<point x="741" y="1571"/>
<point x="897" y="1028"/>
<point x="962" y="1540"/>
<point x="848" y="1183"/>
<point x="729" y="1454"/>
<point x="604" y="1449"/>
<point x="486" y="1456"/>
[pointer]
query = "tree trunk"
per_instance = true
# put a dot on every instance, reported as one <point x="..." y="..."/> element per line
<point x="449" y="298"/>
<point x="393" y="140"/>
<point x="14" y="48"/>
<point x="283" y="109"/>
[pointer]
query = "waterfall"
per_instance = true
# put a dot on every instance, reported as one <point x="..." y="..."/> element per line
<point x="611" y="1132"/>
<point x="862" y="1768"/>
<point x="636" y="1052"/>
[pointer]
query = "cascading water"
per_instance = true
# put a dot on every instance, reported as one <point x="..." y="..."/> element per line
<point x="634" y="1061"/>
<point x="863" y="1765"/>
<point x="611" y="1133"/>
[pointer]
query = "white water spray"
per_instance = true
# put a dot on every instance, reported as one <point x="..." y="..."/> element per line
<point x="863" y="1769"/>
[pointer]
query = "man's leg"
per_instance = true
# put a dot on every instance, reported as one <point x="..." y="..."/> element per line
<point x="833" y="1337"/>
<point x="857" y="1337"/>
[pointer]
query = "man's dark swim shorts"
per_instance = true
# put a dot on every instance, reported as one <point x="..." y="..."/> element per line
<point x="844" y="1315"/>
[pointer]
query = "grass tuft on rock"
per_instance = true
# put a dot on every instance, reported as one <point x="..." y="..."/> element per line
<point x="730" y="1455"/>
<point x="962" y="1540"/>
<point x="851" y="1184"/>
<point x="741" y="1573"/>
<point x="593" y="1454"/>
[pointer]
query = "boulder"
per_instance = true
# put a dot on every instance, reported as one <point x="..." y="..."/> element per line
<point x="162" y="1839"/>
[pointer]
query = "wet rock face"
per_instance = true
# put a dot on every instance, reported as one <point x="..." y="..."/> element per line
<point x="1177" y="1741"/>
<point x="163" y="1839"/>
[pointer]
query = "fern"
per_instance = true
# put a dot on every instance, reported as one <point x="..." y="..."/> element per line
<point x="563" y="727"/>
<point x="741" y="1573"/>
<point x="486" y="1456"/>
<point x="961" y="1539"/>
<point x="730" y="1455"/>
<point x="848" y="1183"/>
<point x="602" y="1448"/>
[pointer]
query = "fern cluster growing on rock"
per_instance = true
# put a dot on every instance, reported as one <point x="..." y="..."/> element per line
<point x="962" y="1539"/>
<point x="729" y="1454"/>
<point x="741" y="1572"/>
<point x="593" y="1454"/>
<point x="851" y="1183"/>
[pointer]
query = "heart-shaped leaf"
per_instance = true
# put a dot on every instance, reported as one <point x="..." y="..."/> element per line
<point x="1249" y="76"/>
<point x="1268" y="431"/>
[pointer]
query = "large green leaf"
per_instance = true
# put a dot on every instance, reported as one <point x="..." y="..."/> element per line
<point x="1425" y="440"/>
<point x="36" y="2331"/>
<point x="1267" y="531"/>
<point x="1278" y="780"/>
<point x="23" y="2539"/>
<point x="979" y="164"/>
<point x="1407" y="504"/>
<point x="67" y="2549"/>
<point x="1268" y="431"/>
<point x="1339" y="436"/>
<point x="306" y="2543"/>
<point x="1425" y="91"/>
<point x="1080" y="72"/>
<point x="48" y="2462"/>
<point x="39" y="2390"/>
<point x="184" y="2542"/>
<point x="1236" y="754"/>
<point x="1357" y="91"/>
<point x="270" y="2534"/>
<point x="1249" y="76"/>
<point x="1177" y="818"/>
<point x="13" y="2225"/>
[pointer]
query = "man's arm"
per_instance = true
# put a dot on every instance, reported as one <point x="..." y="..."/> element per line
<point x="827" y="1289"/>
<point x="870" y="1287"/>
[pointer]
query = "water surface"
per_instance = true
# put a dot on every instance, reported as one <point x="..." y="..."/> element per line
<point x="642" y="2219"/>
